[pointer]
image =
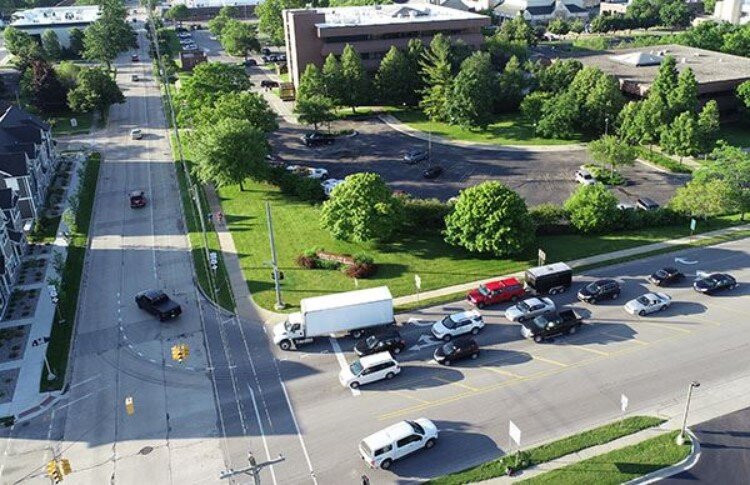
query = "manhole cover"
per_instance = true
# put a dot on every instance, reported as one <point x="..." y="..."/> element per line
<point x="146" y="450"/>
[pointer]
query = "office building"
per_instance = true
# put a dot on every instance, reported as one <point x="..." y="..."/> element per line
<point x="61" y="20"/>
<point x="545" y="10"/>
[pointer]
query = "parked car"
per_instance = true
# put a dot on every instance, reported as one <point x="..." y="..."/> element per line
<point x="529" y="308"/>
<point x="566" y="321"/>
<point x="190" y="47"/>
<point x="551" y="278"/>
<point x="461" y="348"/>
<point x="317" y="173"/>
<point x="646" y="204"/>
<point x="433" y="172"/>
<point x="389" y="340"/>
<point x="379" y="450"/>
<point x="624" y="206"/>
<point x="648" y="303"/>
<point x="329" y="185"/>
<point x="316" y="139"/>
<point x="265" y="51"/>
<point x="134" y="78"/>
<point x="135" y="58"/>
<point x="413" y="157"/>
<point x="715" y="282"/>
<point x="494" y="292"/>
<point x="666" y="276"/>
<point x="157" y="303"/>
<point x="599" y="290"/>
<point x="136" y="134"/>
<point x="584" y="177"/>
<point x="368" y="369"/>
<point x="268" y="84"/>
<point x="458" y="324"/>
<point x="137" y="199"/>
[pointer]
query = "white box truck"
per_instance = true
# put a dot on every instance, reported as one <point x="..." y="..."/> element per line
<point x="351" y="312"/>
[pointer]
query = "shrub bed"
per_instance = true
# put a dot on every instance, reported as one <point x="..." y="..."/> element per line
<point x="360" y="266"/>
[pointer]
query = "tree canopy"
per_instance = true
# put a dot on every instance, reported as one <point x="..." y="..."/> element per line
<point x="110" y="35"/>
<point x="238" y="38"/>
<point x="471" y="96"/>
<point x="239" y="105"/>
<point x="209" y="81"/>
<point x="438" y="78"/>
<point x="95" y="90"/>
<point x="592" y="208"/>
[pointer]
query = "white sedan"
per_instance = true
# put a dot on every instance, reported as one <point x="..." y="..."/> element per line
<point x="317" y="173"/>
<point x="648" y="303"/>
<point x="330" y="184"/>
<point x="584" y="177"/>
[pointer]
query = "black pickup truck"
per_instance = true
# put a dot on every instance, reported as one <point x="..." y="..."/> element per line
<point x="546" y="326"/>
<point x="157" y="303"/>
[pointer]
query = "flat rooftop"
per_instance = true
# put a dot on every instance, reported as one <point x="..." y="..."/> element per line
<point x="35" y="17"/>
<point x="214" y="3"/>
<point x="639" y="66"/>
<point x="391" y="14"/>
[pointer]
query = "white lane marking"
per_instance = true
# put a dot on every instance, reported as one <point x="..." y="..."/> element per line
<point x="299" y="434"/>
<point x="85" y="381"/>
<point x="342" y="361"/>
<point x="262" y="433"/>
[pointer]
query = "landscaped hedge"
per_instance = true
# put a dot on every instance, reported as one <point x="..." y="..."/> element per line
<point x="358" y="266"/>
<point x="424" y="213"/>
<point x="290" y="183"/>
<point x="551" y="219"/>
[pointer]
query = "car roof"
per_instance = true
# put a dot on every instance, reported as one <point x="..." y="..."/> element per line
<point x="605" y="281"/>
<point x="497" y="284"/>
<point x="375" y="359"/>
<point x="137" y="193"/>
<point x="534" y="301"/>
<point x="152" y="293"/>
<point x="464" y="342"/>
<point x="388" y="435"/>
<point x="549" y="269"/>
<point x="465" y="315"/>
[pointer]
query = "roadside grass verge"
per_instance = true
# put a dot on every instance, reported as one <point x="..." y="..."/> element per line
<point x="59" y="345"/>
<point x="551" y="451"/>
<point x="621" y="465"/>
<point x="663" y="161"/>
<point x="45" y="231"/>
<point x="507" y="129"/>
<point x="61" y="123"/>
<point x="428" y="302"/>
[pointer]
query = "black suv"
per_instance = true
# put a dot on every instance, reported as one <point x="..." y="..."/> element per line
<point x="666" y="276"/>
<point x="458" y="349"/>
<point x="137" y="199"/>
<point x="599" y="290"/>
<point x="157" y="303"/>
<point x="390" y="340"/>
<point x="715" y="282"/>
<point x="317" y="139"/>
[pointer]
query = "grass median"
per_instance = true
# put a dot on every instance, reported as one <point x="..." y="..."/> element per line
<point x="621" y="465"/>
<point x="551" y="451"/>
<point x="59" y="345"/>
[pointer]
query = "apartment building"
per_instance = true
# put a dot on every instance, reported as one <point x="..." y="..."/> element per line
<point x="12" y="244"/>
<point x="313" y="34"/>
<point x="545" y="10"/>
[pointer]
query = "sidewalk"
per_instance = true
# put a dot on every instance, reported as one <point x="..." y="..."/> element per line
<point x="395" y="124"/>
<point x="598" y="259"/>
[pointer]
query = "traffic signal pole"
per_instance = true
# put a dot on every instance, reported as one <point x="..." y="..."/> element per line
<point x="252" y="470"/>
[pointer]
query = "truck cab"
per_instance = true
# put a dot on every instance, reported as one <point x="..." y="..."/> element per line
<point x="566" y="321"/>
<point x="291" y="332"/>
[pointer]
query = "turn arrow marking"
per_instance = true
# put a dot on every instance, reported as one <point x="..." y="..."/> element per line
<point x="684" y="261"/>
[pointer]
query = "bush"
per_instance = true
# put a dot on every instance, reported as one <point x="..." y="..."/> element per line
<point x="327" y="264"/>
<point x="592" y="208"/>
<point x="289" y="183"/>
<point x="306" y="261"/>
<point x="360" y="270"/>
<point x="425" y="214"/>
<point x="638" y="219"/>
<point x="363" y="258"/>
<point x="549" y="219"/>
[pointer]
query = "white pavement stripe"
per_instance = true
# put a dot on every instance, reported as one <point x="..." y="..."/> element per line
<point x="299" y="434"/>
<point x="342" y="361"/>
<point x="262" y="433"/>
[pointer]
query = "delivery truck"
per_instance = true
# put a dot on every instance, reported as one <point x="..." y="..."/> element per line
<point x="351" y="312"/>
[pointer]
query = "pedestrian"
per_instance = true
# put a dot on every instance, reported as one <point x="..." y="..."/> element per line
<point x="210" y="217"/>
<point x="220" y="216"/>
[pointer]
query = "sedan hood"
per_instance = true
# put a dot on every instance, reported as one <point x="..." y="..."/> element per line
<point x="361" y="347"/>
<point x="633" y="306"/>
<point x="584" y="293"/>
<point x="475" y="295"/>
<point x="701" y="285"/>
<point x="513" y="312"/>
<point x="429" y="427"/>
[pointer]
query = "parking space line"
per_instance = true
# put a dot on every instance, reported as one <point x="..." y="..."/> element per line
<point x="593" y="351"/>
<point x="407" y="396"/>
<point x="342" y="361"/>
<point x="459" y="384"/>
<point x="500" y="371"/>
<point x="664" y="325"/>
<point x="548" y="361"/>
<point x="620" y="338"/>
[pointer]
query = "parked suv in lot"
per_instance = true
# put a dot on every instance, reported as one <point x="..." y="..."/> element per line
<point x="316" y="139"/>
<point x="599" y="290"/>
<point x="496" y="292"/>
<point x="157" y="303"/>
<point x="389" y="340"/>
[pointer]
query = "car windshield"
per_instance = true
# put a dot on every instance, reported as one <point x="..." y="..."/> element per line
<point x="449" y="348"/>
<point x="160" y="298"/>
<point x="661" y="274"/>
<point x="593" y="288"/>
<point x="540" y="322"/>
<point x="356" y="367"/>
<point x="713" y="280"/>
<point x="523" y="306"/>
<point x="643" y="300"/>
<point x="371" y="341"/>
<point x="448" y="322"/>
<point x="483" y="290"/>
<point x="416" y="427"/>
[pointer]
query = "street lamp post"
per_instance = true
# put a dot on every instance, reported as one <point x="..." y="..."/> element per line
<point x="681" y="436"/>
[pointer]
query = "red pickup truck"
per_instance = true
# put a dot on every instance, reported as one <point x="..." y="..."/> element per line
<point x="494" y="292"/>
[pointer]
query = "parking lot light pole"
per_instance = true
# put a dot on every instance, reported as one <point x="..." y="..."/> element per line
<point x="681" y="436"/>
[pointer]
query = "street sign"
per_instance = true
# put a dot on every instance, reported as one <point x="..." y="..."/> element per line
<point x="542" y="257"/>
<point x="623" y="402"/>
<point x="692" y="224"/>
<point x="73" y="122"/>
<point x="214" y="260"/>
<point x="515" y="433"/>
<point x="417" y="281"/>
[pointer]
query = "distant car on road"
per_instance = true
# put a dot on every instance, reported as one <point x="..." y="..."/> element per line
<point x="624" y="206"/>
<point x="666" y="276"/>
<point x="458" y="324"/>
<point x="136" y="134"/>
<point x="413" y="157"/>
<point x="529" y="308"/>
<point x="330" y="184"/>
<point x="494" y="292"/>
<point x="137" y="199"/>
<point x="646" y="204"/>
<point x="599" y="290"/>
<point x="433" y="172"/>
<point x="715" y="282"/>
<point x="379" y="450"/>
<point x="157" y="303"/>
<point x="135" y="58"/>
<point x="584" y="177"/>
<point x="316" y="139"/>
<point x="389" y="340"/>
<point x="648" y="303"/>
<point x="317" y="173"/>
<point x="461" y="348"/>
<point x="566" y="321"/>
<point x="268" y="84"/>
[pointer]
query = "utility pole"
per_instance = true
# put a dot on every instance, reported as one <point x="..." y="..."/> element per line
<point x="681" y="436"/>
<point x="254" y="468"/>
<point x="279" y="304"/>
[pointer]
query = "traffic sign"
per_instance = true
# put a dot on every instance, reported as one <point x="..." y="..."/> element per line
<point x="542" y="257"/>
<point x="129" y="406"/>
<point x="692" y="224"/>
<point x="417" y="281"/>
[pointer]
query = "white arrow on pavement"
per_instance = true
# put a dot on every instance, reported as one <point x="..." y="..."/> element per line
<point x="424" y="342"/>
<point x="419" y="322"/>
<point x="684" y="261"/>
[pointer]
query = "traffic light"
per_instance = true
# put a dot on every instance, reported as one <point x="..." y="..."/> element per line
<point x="180" y="352"/>
<point x="54" y="472"/>
<point x="65" y="465"/>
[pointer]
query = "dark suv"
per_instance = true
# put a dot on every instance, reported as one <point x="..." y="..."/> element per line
<point x="317" y="139"/>
<point x="137" y="199"/>
<point x="462" y="348"/>
<point x="599" y="290"/>
<point x="157" y="303"/>
<point x="389" y="340"/>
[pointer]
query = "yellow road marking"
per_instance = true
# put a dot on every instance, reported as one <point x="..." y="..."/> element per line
<point x="501" y="371"/>
<point x="594" y="351"/>
<point x="664" y="325"/>
<point x="459" y="384"/>
<point x="407" y="396"/>
<point x="549" y="361"/>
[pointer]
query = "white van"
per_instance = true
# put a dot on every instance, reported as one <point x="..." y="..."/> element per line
<point x="380" y="449"/>
<point x="369" y="369"/>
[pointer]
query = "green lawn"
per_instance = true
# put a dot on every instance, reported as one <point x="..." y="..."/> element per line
<point x="551" y="451"/>
<point x="59" y="345"/>
<point x="663" y="161"/>
<point x="509" y="129"/>
<point x="61" y="124"/>
<point x="297" y="228"/>
<point x="619" y="466"/>
<point x="737" y="133"/>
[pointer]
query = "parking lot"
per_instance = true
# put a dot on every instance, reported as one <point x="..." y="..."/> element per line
<point x="568" y="383"/>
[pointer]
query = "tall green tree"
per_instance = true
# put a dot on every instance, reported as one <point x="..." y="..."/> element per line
<point x="708" y="126"/>
<point x="592" y="208"/>
<point x="629" y="128"/>
<point x="270" y="20"/>
<point x="51" y="45"/>
<point x="644" y="13"/>
<point x="559" y="75"/>
<point x="674" y="13"/>
<point x="490" y="218"/>
<point x="209" y="81"/>
<point x="238" y="38"/>
<point x="685" y="95"/>
<point x="653" y="119"/>
<point x="178" y="13"/>
<point x="67" y="72"/>
<point x="559" y="26"/>
<point x="40" y="84"/>
<point x="217" y="24"/>
<point x="602" y="105"/>
<point x="610" y="151"/>
<point x="16" y="40"/>
<point x="512" y="85"/>
<point x="334" y="80"/>
<point x="363" y="209"/>
<point x="228" y="152"/>
<point x="471" y="97"/>
<point x="518" y="29"/>
<point x="414" y="52"/>
<point x="239" y="105"/>
<point x="95" y="90"/>
<point x="110" y="35"/>
<point x="311" y="83"/>
<point x="682" y="137"/>
<point x="743" y="93"/>
<point x="438" y="78"/>
<point x="737" y="42"/>
<point x="665" y="81"/>
<point x="394" y="80"/>
<point x="356" y="80"/>
<point x="705" y="198"/>
<point x="731" y="164"/>
<point x="314" y="110"/>
<point x="75" y="40"/>
<point x="560" y="117"/>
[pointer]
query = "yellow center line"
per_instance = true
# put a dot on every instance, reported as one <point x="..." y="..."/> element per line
<point x="549" y="361"/>
<point x="459" y="384"/>
<point x="500" y="371"/>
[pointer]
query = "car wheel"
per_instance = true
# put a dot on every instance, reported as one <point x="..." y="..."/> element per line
<point x="475" y="355"/>
<point x="642" y="313"/>
<point x="447" y="338"/>
<point x="446" y="362"/>
<point x="592" y="301"/>
<point x="386" y="464"/>
<point x="357" y="334"/>
<point x="429" y="444"/>
<point x="538" y="338"/>
<point x="480" y="305"/>
<point x="397" y="350"/>
<point x="553" y="291"/>
<point x="354" y="385"/>
<point x="662" y="308"/>
<point x="390" y="375"/>
<point x="572" y="329"/>
<point x="475" y="330"/>
<point x="521" y="319"/>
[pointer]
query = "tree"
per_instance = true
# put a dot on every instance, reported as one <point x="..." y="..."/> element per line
<point x="518" y="29"/>
<point x="228" y="152"/>
<point x="471" y="96"/>
<point x="363" y="208"/>
<point x="559" y="26"/>
<point x="602" y="105"/>
<point x="209" y="81"/>
<point x="51" y="45"/>
<point x="95" y="90"/>
<point x="731" y="164"/>
<point x="630" y="129"/>
<point x="76" y="47"/>
<point x="708" y="7"/>
<point x="560" y="116"/>
<point x="652" y="119"/>
<point x="355" y="79"/>
<point x="674" y="13"/>
<point x="682" y="136"/>
<point x="490" y="218"/>
<point x="707" y="35"/>
<point x="314" y="110"/>
<point x="512" y="86"/>
<point x="737" y="42"/>
<point x="705" y="198"/>
<point x="311" y="83"/>
<point x="40" y="84"/>
<point x="239" y="39"/>
<point x="577" y="26"/>
<point x="110" y="35"/>
<point x="685" y="95"/>
<point x="67" y="72"/>
<point x="178" y="13"/>
<point x="414" y="52"/>
<point x="609" y="150"/>
<point x="532" y="106"/>
<point x="334" y="80"/>
<point x="591" y="208"/>
<point x="270" y="20"/>
<point x="394" y="80"/>
<point x="239" y="105"/>
<point x="558" y="76"/>
<point x="743" y="93"/>
<point x="217" y="24"/>
<point x="16" y="40"/>
<point x="438" y="78"/>
<point x="708" y="126"/>
<point x="665" y="81"/>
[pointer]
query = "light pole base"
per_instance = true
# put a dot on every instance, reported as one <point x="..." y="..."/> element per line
<point x="680" y="439"/>
<point x="279" y="306"/>
<point x="51" y="376"/>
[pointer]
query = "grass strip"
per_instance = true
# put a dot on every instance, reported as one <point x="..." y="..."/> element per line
<point x="619" y="466"/>
<point x="61" y="124"/>
<point x="59" y="345"/>
<point x="662" y="161"/>
<point x="551" y="451"/>
<point x="428" y="302"/>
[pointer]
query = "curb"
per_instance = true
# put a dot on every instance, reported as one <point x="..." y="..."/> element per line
<point x="40" y="408"/>
<point x="686" y="464"/>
